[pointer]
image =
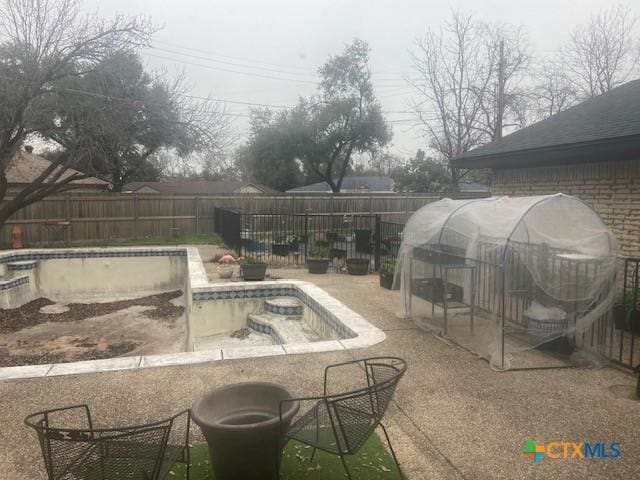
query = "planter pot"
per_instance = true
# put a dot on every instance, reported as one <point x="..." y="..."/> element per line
<point x="280" y="249"/>
<point x="620" y="317"/>
<point x="358" y="266"/>
<point x="386" y="281"/>
<point x="626" y="319"/>
<point x="225" y="271"/>
<point x="317" y="265"/>
<point x="242" y="426"/>
<point x="253" y="271"/>
<point x="363" y="241"/>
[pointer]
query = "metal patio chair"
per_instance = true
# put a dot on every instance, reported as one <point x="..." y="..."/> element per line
<point x="73" y="449"/>
<point x="340" y="423"/>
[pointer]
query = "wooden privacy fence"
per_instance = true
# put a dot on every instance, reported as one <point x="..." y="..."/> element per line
<point x="77" y="218"/>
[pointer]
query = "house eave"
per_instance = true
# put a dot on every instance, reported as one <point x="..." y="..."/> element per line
<point x="610" y="149"/>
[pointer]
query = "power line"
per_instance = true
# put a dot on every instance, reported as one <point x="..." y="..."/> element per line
<point x="211" y="67"/>
<point x="280" y="68"/>
<point x="209" y="59"/>
<point x="228" y="56"/>
<point x="250" y="74"/>
<point x="233" y="114"/>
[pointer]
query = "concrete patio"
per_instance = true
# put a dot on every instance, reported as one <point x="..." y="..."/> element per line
<point x="453" y="417"/>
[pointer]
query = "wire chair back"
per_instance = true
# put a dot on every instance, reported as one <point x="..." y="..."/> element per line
<point x="357" y="414"/>
<point x="73" y="449"/>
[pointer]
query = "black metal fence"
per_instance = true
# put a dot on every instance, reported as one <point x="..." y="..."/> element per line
<point x="227" y="225"/>
<point x="289" y="239"/>
<point x="390" y="234"/>
<point x="624" y="344"/>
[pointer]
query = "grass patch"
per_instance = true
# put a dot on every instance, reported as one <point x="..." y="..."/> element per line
<point x="193" y="239"/>
<point x="372" y="462"/>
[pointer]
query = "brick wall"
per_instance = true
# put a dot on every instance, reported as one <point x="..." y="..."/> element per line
<point x="612" y="188"/>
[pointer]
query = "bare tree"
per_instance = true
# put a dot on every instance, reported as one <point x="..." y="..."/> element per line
<point x="452" y="76"/>
<point x="603" y="53"/>
<point x="41" y="42"/>
<point x="554" y="91"/>
<point x="469" y="83"/>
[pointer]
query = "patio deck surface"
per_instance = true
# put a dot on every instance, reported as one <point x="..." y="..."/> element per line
<point x="452" y="418"/>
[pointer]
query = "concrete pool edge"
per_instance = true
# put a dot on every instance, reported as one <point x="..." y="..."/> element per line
<point x="365" y="334"/>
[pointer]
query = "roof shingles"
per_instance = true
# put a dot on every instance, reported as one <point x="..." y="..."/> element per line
<point x="608" y="117"/>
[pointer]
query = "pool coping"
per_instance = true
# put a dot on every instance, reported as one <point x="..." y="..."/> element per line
<point x="366" y="334"/>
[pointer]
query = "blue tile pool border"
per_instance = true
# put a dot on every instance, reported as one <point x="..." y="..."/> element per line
<point x="358" y="333"/>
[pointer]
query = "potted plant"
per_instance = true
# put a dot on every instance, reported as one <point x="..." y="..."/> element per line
<point x="357" y="266"/>
<point x="626" y="315"/>
<point x="387" y="271"/>
<point x="252" y="269"/>
<point x="318" y="259"/>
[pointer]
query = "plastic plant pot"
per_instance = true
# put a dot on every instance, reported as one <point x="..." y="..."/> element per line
<point x="280" y="249"/>
<point x="317" y="265"/>
<point x="358" y="266"/>
<point x="252" y="272"/>
<point x="241" y="423"/>
<point x="386" y="281"/>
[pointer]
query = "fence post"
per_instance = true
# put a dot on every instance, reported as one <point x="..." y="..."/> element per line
<point x="406" y="207"/>
<point x="370" y="204"/>
<point x="67" y="208"/>
<point x="174" y="231"/>
<point x="378" y="243"/>
<point x="197" y="213"/>
<point x="136" y="217"/>
<point x="306" y="236"/>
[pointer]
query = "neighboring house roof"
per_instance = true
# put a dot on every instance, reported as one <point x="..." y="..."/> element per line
<point x="468" y="186"/>
<point x="26" y="167"/>
<point x="369" y="184"/>
<point x="603" y="128"/>
<point x="196" y="187"/>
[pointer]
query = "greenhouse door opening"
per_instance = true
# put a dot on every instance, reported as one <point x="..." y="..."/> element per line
<point x="526" y="282"/>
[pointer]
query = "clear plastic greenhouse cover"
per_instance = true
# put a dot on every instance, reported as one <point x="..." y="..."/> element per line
<point x="508" y="274"/>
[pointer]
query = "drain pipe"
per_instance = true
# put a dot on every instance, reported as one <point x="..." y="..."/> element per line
<point x="637" y="370"/>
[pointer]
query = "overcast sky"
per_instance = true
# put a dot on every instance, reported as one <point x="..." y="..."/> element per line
<point x="278" y="44"/>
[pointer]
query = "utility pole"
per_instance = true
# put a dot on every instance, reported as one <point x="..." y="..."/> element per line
<point x="500" y="99"/>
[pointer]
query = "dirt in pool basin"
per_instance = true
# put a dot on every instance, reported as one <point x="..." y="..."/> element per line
<point x="89" y="331"/>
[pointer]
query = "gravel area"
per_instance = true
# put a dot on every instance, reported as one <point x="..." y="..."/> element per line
<point x="452" y="416"/>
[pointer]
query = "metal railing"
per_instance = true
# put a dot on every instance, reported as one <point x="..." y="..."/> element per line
<point x="227" y="225"/>
<point x="624" y="341"/>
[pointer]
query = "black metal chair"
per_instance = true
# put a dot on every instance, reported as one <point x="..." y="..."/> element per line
<point x="73" y="449"/>
<point x="340" y="423"/>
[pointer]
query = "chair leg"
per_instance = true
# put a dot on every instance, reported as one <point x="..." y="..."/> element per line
<point x="393" y="453"/>
<point x="344" y="464"/>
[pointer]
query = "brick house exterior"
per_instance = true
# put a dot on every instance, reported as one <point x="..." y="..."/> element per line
<point x="591" y="151"/>
<point x="612" y="188"/>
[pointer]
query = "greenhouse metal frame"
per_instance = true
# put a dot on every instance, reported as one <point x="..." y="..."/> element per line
<point x="503" y="275"/>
